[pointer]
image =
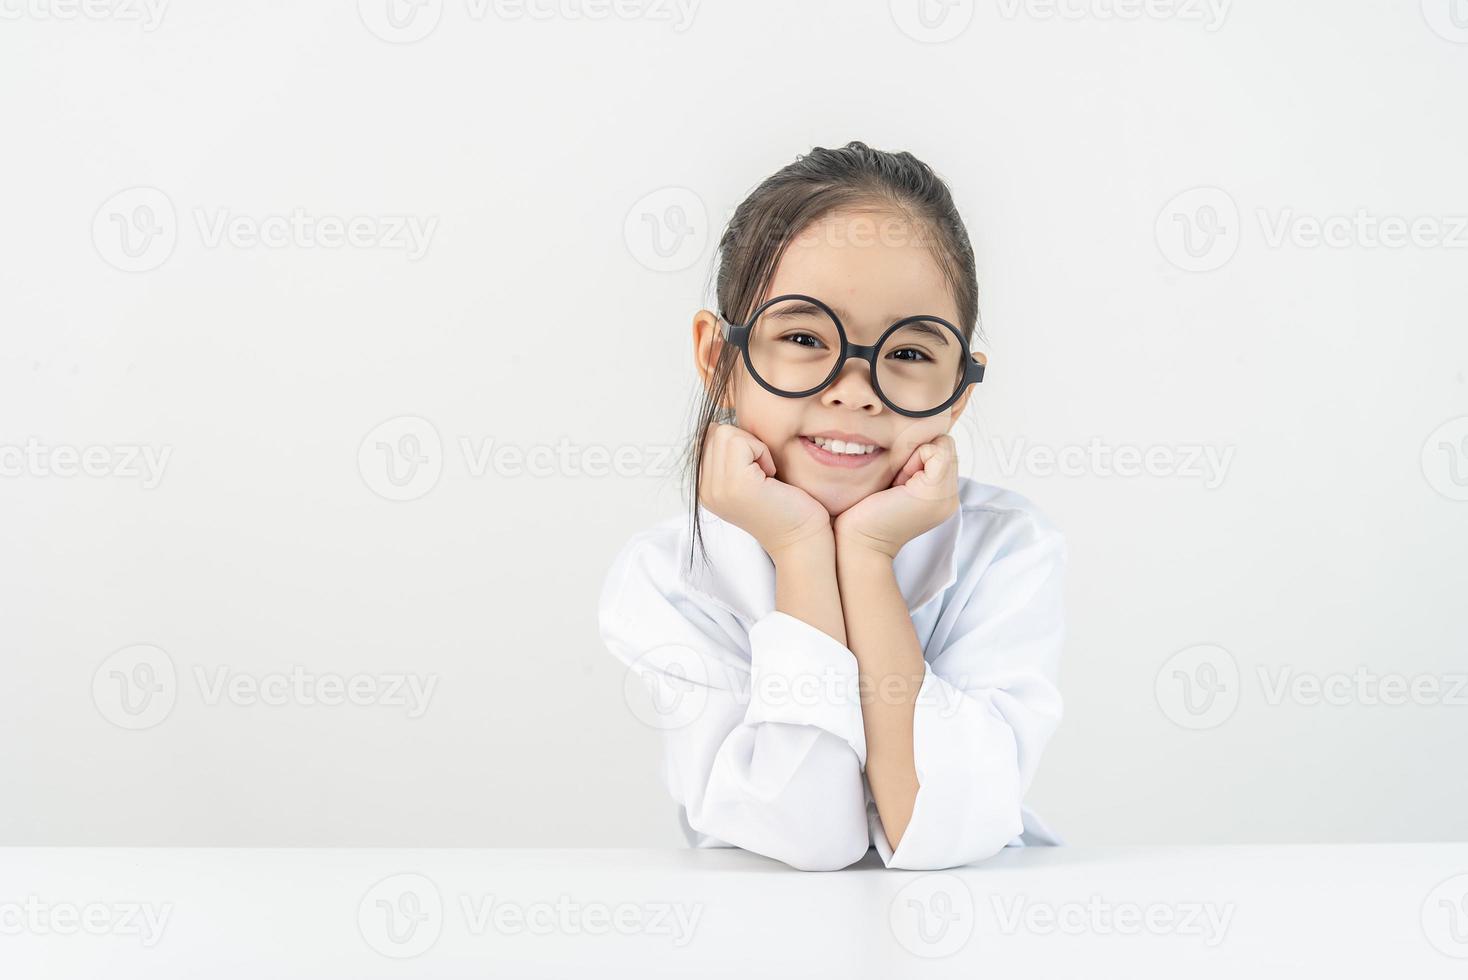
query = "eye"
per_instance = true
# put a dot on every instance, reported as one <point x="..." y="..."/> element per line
<point x="916" y="355"/>
<point x="815" y="342"/>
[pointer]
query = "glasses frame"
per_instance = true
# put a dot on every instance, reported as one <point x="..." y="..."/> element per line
<point x="738" y="335"/>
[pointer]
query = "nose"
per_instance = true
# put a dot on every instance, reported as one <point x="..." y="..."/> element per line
<point x="853" y="389"/>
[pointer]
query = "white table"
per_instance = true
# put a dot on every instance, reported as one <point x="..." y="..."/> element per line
<point x="1381" y="911"/>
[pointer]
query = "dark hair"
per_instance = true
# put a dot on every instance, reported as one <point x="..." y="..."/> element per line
<point x="854" y="177"/>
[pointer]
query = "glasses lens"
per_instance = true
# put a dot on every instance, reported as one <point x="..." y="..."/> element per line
<point x="793" y="345"/>
<point x="920" y="365"/>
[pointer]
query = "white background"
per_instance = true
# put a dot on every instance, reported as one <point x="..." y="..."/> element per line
<point x="575" y="171"/>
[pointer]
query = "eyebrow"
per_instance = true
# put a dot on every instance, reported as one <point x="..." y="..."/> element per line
<point x="796" y="308"/>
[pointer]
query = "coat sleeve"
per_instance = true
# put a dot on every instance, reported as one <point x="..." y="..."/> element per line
<point x="763" y="747"/>
<point x="988" y="703"/>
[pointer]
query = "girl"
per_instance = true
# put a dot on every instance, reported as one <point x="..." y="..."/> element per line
<point x="866" y="654"/>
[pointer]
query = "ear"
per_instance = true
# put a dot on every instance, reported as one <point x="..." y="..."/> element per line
<point x="708" y="339"/>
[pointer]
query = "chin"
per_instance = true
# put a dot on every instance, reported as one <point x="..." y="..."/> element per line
<point x="837" y="499"/>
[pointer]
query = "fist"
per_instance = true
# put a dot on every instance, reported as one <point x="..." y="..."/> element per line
<point x="738" y="484"/>
<point x="923" y="495"/>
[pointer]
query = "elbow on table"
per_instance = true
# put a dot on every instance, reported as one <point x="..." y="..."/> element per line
<point x="804" y="846"/>
<point x="829" y="855"/>
<point x="958" y="846"/>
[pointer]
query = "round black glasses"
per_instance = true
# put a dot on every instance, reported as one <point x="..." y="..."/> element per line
<point x="795" y="345"/>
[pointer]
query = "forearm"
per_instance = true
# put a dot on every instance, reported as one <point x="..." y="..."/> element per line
<point x="805" y="585"/>
<point x="891" y="669"/>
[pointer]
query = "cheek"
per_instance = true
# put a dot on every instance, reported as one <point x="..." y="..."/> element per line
<point x="769" y="418"/>
<point x="912" y="435"/>
<point x="778" y="417"/>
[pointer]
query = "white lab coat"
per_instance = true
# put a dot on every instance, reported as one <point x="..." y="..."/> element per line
<point x="768" y="752"/>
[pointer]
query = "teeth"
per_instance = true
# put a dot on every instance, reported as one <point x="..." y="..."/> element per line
<point x="843" y="448"/>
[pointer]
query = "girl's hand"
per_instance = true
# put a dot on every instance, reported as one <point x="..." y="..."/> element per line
<point x="739" y="485"/>
<point x="923" y="495"/>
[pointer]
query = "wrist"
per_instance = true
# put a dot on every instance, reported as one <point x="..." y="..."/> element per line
<point x="819" y="544"/>
<point x="857" y="548"/>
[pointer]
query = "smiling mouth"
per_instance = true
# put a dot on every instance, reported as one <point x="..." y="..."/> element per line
<point x="841" y="452"/>
<point x="842" y="447"/>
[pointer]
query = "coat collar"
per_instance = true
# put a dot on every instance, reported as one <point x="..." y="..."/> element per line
<point x="740" y="575"/>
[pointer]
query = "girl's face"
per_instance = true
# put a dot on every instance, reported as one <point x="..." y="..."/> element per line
<point x="871" y="268"/>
